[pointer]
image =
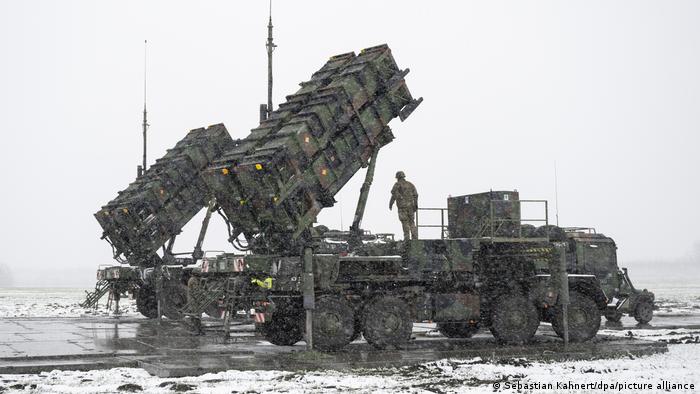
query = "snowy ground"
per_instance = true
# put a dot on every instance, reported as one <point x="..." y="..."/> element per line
<point x="678" y="366"/>
<point x="58" y="302"/>
<point x="681" y="365"/>
<point x="677" y="300"/>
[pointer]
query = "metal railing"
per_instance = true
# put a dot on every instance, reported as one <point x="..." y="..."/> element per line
<point x="442" y="226"/>
<point x="493" y="221"/>
<point x="494" y="225"/>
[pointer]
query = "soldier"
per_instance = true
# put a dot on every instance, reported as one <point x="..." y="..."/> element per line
<point x="406" y="198"/>
<point x="192" y="289"/>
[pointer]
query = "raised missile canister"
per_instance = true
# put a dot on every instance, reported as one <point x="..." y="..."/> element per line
<point x="156" y="206"/>
<point x="278" y="178"/>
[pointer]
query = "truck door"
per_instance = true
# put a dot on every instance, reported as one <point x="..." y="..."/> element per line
<point x="600" y="259"/>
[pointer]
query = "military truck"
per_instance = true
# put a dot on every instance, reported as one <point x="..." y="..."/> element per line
<point x="269" y="188"/>
<point x="484" y="274"/>
<point x="587" y="252"/>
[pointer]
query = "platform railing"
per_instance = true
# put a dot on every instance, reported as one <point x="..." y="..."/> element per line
<point x="494" y="225"/>
<point x="442" y="226"/>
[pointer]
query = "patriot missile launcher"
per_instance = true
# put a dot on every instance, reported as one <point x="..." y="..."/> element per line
<point x="276" y="180"/>
<point x="269" y="186"/>
<point x="154" y="208"/>
<point x="273" y="183"/>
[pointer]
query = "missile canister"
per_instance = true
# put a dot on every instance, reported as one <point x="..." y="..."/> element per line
<point x="156" y="206"/>
<point x="278" y="178"/>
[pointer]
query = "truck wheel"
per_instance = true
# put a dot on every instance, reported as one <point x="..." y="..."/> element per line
<point x="584" y="318"/>
<point x="285" y="328"/>
<point x="146" y="302"/>
<point x="613" y="316"/>
<point x="174" y="299"/>
<point x="644" y="312"/>
<point x="514" y="320"/>
<point x="333" y="323"/>
<point x="387" y="322"/>
<point x="457" y="329"/>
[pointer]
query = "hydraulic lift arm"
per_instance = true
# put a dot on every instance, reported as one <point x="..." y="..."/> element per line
<point x="198" y="253"/>
<point x="355" y="230"/>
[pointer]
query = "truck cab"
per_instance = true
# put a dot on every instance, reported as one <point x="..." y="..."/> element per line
<point x="591" y="252"/>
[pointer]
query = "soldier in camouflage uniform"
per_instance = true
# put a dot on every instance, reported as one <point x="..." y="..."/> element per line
<point x="193" y="285"/>
<point x="406" y="197"/>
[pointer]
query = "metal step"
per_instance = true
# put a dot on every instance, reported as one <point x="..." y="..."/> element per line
<point x="91" y="298"/>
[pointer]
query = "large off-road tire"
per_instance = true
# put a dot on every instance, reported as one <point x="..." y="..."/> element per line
<point x="386" y="321"/>
<point x="583" y="315"/>
<point x="644" y="312"/>
<point x="613" y="316"/>
<point x="457" y="329"/>
<point x="174" y="299"/>
<point x="285" y="328"/>
<point x="146" y="302"/>
<point x="514" y="320"/>
<point x="333" y="323"/>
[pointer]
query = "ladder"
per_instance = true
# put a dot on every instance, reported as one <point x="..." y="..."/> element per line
<point x="201" y="297"/>
<point x="91" y="298"/>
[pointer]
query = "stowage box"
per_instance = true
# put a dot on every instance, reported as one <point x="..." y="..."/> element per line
<point x="490" y="214"/>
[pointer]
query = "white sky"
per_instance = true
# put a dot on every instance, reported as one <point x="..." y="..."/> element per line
<point x="608" y="89"/>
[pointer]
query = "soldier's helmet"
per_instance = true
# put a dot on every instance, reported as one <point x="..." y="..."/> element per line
<point x="400" y="175"/>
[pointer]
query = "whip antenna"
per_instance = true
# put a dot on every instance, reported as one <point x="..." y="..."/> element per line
<point x="556" y="194"/>
<point x="270" y="45"/>
<point x="145" y="113"/>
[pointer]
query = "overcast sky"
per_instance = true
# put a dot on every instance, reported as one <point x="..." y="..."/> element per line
<point x="610" y="90"/>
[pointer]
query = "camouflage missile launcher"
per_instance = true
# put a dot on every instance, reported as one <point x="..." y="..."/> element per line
<point x="156" y="206"/>
<point x="270" y="185"/>
<point x="219" y="176"/>
<point x="279" y="178"/>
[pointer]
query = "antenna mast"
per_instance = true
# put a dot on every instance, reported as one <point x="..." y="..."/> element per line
<point x="556" y="193"/>
<point x="270" y="48"/>
<point x="145" y="122"/>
